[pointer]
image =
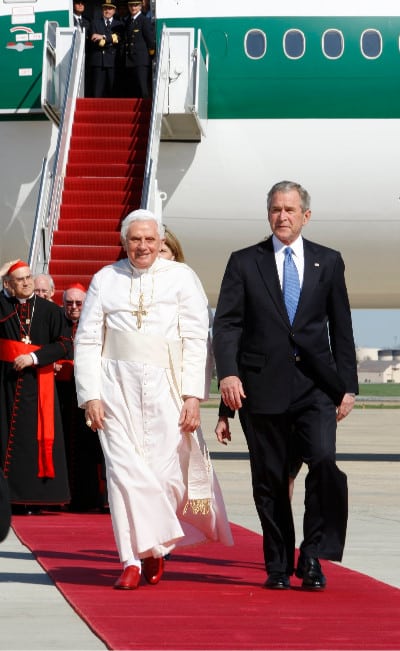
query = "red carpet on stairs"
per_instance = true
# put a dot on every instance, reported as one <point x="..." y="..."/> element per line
<point x="210" y="597"/>
<point x="103" y="183"/>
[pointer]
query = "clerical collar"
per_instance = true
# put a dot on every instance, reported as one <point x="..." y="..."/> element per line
<point x="24" y="300"/>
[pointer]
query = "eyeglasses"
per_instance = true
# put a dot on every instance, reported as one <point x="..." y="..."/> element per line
<point x="22" y="280"/>
<point x="42" y="292"/>
<point x="72" y="303"/>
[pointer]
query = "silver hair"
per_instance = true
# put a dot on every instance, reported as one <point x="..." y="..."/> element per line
<point x="287" y="186"/>
<point x="48" y="277"/>
<point x="140" y="216"/>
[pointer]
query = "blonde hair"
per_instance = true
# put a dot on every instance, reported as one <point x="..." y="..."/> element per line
<point x="173" y="243"/>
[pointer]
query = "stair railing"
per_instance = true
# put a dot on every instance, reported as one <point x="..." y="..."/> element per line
<point x="197" y="108"/>
<point x="200" y="106"/>
<point x="64" y="72"/>
<point x="151" y="197"/>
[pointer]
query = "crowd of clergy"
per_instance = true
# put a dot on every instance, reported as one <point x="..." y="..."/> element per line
<point x="49" y="457"/>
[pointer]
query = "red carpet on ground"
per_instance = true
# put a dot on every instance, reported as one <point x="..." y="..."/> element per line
<point x="210" y="597"/>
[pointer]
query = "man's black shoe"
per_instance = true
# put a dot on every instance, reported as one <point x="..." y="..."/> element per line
<point x="277" y="581"/>
<point x="309" y="569"/>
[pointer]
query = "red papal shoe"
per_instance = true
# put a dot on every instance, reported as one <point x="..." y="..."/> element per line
<point x="153" y="569"/>
<point x="129" y="579"/>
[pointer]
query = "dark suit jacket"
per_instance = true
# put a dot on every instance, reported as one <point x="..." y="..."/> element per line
<point x="106" y="56"/>
<point x="85" y="23"/>
<point x="139" y="41"/>
<point x="253" y="338"/>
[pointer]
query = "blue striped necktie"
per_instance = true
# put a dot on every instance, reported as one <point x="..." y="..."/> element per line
<point x="291" y="284"/>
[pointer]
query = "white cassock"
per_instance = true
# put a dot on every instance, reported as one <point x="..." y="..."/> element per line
<point x="158" y="478"/>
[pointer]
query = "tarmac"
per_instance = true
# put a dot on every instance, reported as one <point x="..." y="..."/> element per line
<point x="34" y="614"/>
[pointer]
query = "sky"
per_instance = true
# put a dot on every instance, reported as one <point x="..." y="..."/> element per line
<point x="376" y="328"/>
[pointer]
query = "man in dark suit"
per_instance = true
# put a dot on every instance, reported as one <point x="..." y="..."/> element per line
<point x="291" y="372"/>
<point x="80" y="20"/>
<point x="139" y="48"/>
<point x="105" y="38"/>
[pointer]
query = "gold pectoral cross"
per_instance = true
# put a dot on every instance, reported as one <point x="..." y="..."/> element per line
<point x="26" y="340"/>
<point x="139" y="312"/>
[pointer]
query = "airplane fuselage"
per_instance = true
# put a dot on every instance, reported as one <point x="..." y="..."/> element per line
<point x="315" y="98"/>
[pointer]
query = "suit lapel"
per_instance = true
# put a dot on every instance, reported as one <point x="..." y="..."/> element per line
<point x="313" y="265"/>
<point x="312" y="274"/>
<point x="266" y="264"/>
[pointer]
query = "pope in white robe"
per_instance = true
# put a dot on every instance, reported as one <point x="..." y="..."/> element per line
<point x="140" y="370"/>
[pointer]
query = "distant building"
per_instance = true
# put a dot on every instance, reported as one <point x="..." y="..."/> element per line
<point x="364" y="354"/>
<point x="389" y="354"/>
<point x="379" y="371"/>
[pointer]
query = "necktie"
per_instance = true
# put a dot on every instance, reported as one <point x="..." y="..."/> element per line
<point x="291" y="284"/>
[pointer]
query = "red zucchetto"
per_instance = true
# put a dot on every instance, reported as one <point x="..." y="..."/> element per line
<point x="76" y="286"/>
<point x="17" y="265"/>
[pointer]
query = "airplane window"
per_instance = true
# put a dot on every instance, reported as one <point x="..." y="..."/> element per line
<point x="371" y="44"/>
<point x="255" y="44"/>
<point x="332" y="44"/>
<point x="294" y="44"/>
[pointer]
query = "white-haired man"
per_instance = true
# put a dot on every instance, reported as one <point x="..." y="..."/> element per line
<point x="140" y="358"/>
<point x="44" y="286"/>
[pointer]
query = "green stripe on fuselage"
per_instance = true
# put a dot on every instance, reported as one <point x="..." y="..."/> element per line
<point x="21" y="78"/>
<point x="310" y="87"/>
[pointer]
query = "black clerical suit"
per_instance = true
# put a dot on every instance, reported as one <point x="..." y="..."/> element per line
<point x="20" y="452"/>
<point x="293" y="376"/>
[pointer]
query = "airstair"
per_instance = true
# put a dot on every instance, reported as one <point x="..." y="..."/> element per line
<point x="104" y="162"/>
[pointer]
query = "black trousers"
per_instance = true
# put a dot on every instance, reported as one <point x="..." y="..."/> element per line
<point x="103" y="81"/>
<point x="309" y="424"/>
<point x="138" y="81"/>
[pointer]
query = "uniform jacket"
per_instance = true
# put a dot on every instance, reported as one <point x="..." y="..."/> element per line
<point x="105" y="56"/>
<point x="139" y="41"/>
<point x="253" y="338"/>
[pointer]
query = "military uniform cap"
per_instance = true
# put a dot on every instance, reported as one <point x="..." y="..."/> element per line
<point x="134" y="2"/>
<point x="109" y="4"/>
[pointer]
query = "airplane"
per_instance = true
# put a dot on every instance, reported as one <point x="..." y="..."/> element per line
<point x="305" y="91"/>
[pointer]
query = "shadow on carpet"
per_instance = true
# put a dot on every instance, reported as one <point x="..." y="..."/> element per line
<point x="210" y="597"/>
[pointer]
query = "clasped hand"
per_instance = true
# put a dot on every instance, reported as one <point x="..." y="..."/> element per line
<point x="22" y="361"/>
